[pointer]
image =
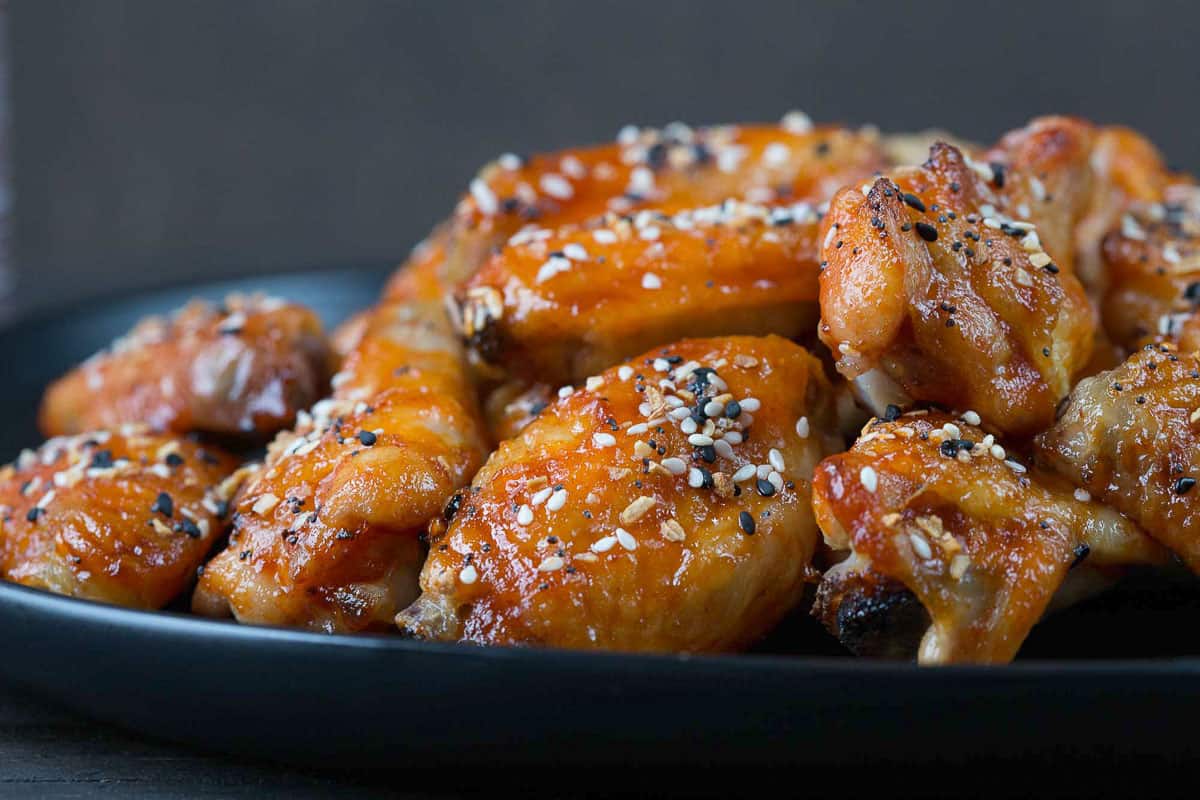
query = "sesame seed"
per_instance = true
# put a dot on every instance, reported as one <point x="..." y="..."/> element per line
<point x="468" y="574"/>
<point x="695" y="478"/>
<point x="625" y="372"/>
<point x="750" y="404"/>
<point x="542" y="496"/>
<point x="651" y="281"/>
<point x="733" y="437"/>
<point x="679" y="414"/>
<point x="688" y="426"/>
<point x="509" y="161"/>
<point x="556" y="186"/>
<point x="265" y="503"/>
<point x="723" y="447"/>
<point x="524" y="515"/>
<point x="637" y="509"/>
<point x="565" y="391"/>
<point x="868" y="478"/>
<point x="604" y="544"/>
<point x="1082" y="495"/>
<point x="550" y="564"/>
<point x="700" y="440"/>
<point x="604" y="237"/>
<point x="971" y="418"/>
<point x="926" y="231"/>
<point x="637" y="430"/>
<point x="714" y="409"/>
<point x="594" y="383"/>
<point x="484" y="197"/>
<point x="604" y="439"/>
<point x="625" y="539"/>
<point x="744" y="473"/>
<point x="997" y="452"/>
<point x="746" y="522"/>
<point x="1015" y="466"/>
<point x="776" y="459"/>
<point x="676" y="466"/>
<point x="920" y="546"/>
<point x="557" y="500"/>
<point x="802" y="429"/>
<point x="1184" y="485"/>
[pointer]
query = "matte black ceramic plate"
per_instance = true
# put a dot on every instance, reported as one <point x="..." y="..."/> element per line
<point x="1118" y="674"/>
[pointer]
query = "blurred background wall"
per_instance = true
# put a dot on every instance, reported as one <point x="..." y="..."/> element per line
<point x="161" y="140"/>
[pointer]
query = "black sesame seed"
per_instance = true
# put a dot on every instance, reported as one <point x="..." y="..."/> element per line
<point x="1184" y="485"/>
<point x="452" y="507"/>
<point x="708" y="453"/>
<point x="914" y="201"/>
<point x="891" y="413"/>
<point x="103" y="459"/>
<point x="765" y="487"/>
<point x="998" y="174"/>
<point x="927" y="231"/>
<point x="185" y="525"/>
<point x="1081" y="552"/>
<point x="174" y="460"/>
<point x="732" y="409"/>
<point x="746" y="521"/>
<point x="367" y="438"/>
<point x="33" y="514"/>
<point x="163" y="505"/>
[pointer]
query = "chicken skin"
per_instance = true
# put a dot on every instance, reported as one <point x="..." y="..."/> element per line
<point x="665" y="506"/>
<point x="955" y="549"/>
<point x="122" y="517"/>
<point x="933" y="294"/>
<point x="326" y="532"/>
<point x="243" y="369"/>
<point x="1129" y="437"/>
<point x="559" y="305"/>
<point x="668" y="170"/>
<point x="1152" y="263"/>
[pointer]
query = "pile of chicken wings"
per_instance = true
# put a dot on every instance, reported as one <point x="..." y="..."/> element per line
<point x="659" y="394"/>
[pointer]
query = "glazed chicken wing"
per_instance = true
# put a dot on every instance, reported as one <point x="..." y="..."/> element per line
<point x="1152" y="264"/>
<point x="242" y="369"/>
<point x="122" y="517"/>
<point x="669" y="170"/>
<point x="932" y="293"/>
<point x="1130" y="437"/>
<point x="954" y="548"/>
<point x="326" y="531"/>
<point x="564" y="304"/>
<point x="663" y="507"/>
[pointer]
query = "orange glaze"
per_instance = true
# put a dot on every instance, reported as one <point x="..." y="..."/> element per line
<point x="669" y="170"/>
<point x="243" y="369"/>
<point x="594" y="528"/>
<point x="564" y="304"/>
<point x="1152" y="263"/>
<point x="966" y="311"/>
<point x="1130" y="437"/>
<point x="122" y="517"/>
<point x="326" y="532"/>
<point x="982" y="543"/>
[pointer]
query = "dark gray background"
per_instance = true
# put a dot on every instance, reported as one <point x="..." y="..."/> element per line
<point x="156" y="140"/>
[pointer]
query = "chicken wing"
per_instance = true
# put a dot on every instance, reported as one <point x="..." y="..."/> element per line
<point x="932" y="294"/>
<point x="242" y="369"/>
<point x="1129" y="437"/>
<point x="951" y="542"/>
<point x="122" y="517"/>
<point x="665" y="506"/>
<point x="668" y="170"/>
<point x="325" y="534"/>
<point x="1152" y="264"/>
<point x="559" y="305"/>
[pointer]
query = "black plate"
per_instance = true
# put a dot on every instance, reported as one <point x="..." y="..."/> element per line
<point x="1114" y="675"/>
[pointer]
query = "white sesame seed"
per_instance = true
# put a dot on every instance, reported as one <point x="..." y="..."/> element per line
<point x="565" y="391"/>
<point x="485" y="198"/>
<point x="688" y="425"/>
<point x="952" y="430"/>
<point x="593" y="383"/>
<point x="469" y="574"/>
<point x="1015" y="466"/>
<point x="1039" y="259"/>
<point x="723" y="447"/>
<point x="997" y="452"/>
<point x="681" y="413"/>
<point x="603" y="236"/>
<point x="557" y="500"/>
<point x="625" y="372"/>
<point x="509" y="161"/>
<point x="776" y="154"/>
<point x="553" y="266"/>
<point x="604" y="439"/>
<point x="971" y="418"/>
<point x="699" y="440"/>
<point x="573" y="167"/>
<point x="762" y="471"/>
<point x="802" y="429"/>
<point x="636" y="430"/>
<point x="265" y="503"/>
<point x="714" y="409"/>
<point x="46" y="499"/>
<point x="626" y="540"/>
<point x="550" y="564"/>
<point x="575" y="252"/>
<point x="651" y="281"/>
<point x="744" y="473"/>
<point x="557" y="186"/>
<point x="776" y="459"/>
<point x="868" y="479"/>
<point x="661" y="365"/>
<point x="645" y="409"/>
<point x="776" y="480"/>
<point x="733" y="437"/>
<point x="675" y="466"/>
<point x="604" y="544"/>
<point x="920" y="546"/>
<point x="524" y="515"/>
<point x="750" y="404"/>
<point x="628" y="135"/>
<point x="695" y="478"/>
<point x="1082" y="495"/>
<point x="542" y="496"/>
<point x="796" y="122"/>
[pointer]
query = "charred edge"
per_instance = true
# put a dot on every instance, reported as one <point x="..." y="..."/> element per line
<point x="871" y="615"/>
<point x="481" y="311"/>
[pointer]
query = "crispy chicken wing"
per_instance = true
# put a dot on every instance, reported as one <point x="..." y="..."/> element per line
<point x="122" y="517"/>
<point x="669" y="170"/>
<point x="512" y="405"/>
<point x="564" y="304"/>
<point x="1130" y="437"/>
<point x="326" y="532"/>
<point x="245" y="368"/>
<point x="932" y="293"/>
<point x="1152" y="263"/>
<point x="663" y="507"/>
<point x="952" y="543"/>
